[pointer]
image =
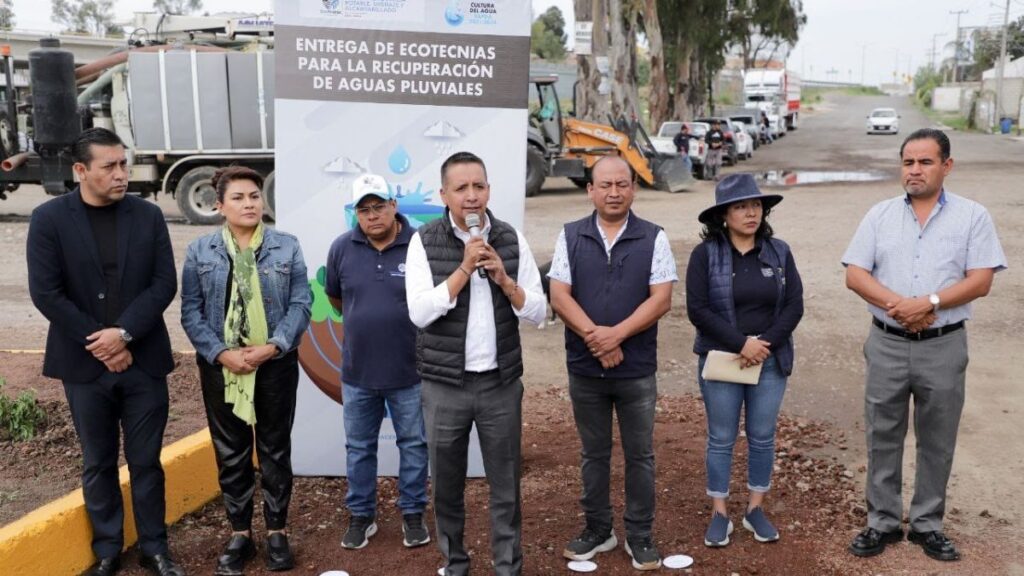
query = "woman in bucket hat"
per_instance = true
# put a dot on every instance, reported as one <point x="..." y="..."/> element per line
<point x="745" y="297"/>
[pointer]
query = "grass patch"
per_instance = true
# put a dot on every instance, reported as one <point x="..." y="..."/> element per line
<point x="951" y="119"/>
<point x="815" y="95"/>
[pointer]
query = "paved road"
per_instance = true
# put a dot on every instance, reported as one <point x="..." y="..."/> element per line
<point x="818" y="221"/>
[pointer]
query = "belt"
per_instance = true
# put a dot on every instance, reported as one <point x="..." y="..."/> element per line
<point x="922" y="335"/>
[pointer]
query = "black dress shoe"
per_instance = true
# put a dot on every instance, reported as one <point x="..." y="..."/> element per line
<point x="161" y="564"/>
<point x="279" y="554"/>
<point x="239" y="550"/>
<point x="106" y="566"/>
<point x="871" y="542"/>
<point x="935" y="545"/>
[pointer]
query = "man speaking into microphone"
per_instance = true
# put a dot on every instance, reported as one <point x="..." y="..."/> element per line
<point x="469" y="279"/>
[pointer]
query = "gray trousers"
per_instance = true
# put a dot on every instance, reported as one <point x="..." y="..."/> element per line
<point x="633" y="399"/>
<point x="933" y="373"/>
<point x="449" y="413"/>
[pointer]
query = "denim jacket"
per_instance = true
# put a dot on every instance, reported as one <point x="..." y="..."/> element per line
<point x="204" y="282"/>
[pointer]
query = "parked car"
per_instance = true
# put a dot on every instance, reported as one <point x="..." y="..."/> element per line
<point x="883" y="121"/>
<point x="731" y="155"/>
<point x="752" y="125"/>
<point x="744" y="142"/>
<point x="698" y="152"/>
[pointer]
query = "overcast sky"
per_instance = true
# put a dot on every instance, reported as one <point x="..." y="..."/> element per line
<point x="839" y="33"/>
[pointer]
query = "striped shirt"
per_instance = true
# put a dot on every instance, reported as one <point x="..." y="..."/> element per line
<point x="913" y="261"/>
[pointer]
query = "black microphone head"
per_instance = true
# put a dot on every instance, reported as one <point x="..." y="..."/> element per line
<point x="473" y="220"/>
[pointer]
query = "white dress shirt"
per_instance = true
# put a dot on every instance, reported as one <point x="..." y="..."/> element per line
<point x="663" y="263"/>
<point x="428" y="302"/>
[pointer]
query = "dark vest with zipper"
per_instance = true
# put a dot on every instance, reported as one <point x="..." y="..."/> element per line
<point x="609" y="288"/>
<point x="774" y="254"/>
<point x="441" y="346"/>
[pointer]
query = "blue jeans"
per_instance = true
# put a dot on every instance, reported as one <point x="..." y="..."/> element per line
<point x="723" y="402"/>
<point x="364" y="410"/>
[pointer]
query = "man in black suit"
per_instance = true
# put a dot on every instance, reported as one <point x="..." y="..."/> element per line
<point x="101" y="270"/>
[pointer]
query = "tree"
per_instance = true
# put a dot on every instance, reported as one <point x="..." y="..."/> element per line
<point x="544" y="43"/>
<point x="178" y="6"/>
<point x="6" y="14"/>
<point x="555" y="22"/>
<point x="85" y="16"/>
<point x="761" y="27"/>
<point x="590" y="103"/>
<point x="986" y="46"/>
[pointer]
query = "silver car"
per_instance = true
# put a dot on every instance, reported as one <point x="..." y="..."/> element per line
<point x="883" y="121"/>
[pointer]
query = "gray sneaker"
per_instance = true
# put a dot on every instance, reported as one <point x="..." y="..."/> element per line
<point x="360" y="528"/>
<point x="645" y="556"/>
<point x="414" y="532"/>
<point x="718" y="531"/>
<point x="589" y="544"/>
<point x="755" y="521"/>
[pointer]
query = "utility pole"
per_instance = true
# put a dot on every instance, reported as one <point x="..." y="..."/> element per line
<point x="956" y="54"/>
<point x="1002" y="64"/>
<point x="934" y="36"/>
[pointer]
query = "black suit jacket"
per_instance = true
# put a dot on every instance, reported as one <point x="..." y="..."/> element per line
<point x="65" y="280"/>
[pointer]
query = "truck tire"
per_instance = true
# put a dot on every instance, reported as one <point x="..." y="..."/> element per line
<point x="536" y="171"/>
<point x="196" y="196"/>
<point x="7" y="148"/>
<point x="269" y="201"/>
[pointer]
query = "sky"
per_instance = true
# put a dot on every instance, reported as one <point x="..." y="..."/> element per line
<point x="840" y="35"/>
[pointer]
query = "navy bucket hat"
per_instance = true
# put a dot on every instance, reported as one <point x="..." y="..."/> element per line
<point x="736" y="188"/>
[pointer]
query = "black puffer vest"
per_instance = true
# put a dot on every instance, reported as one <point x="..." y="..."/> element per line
<point x="441" y="347"/>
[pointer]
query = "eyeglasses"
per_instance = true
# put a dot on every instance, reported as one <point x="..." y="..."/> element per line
<point x="375" y="209"/>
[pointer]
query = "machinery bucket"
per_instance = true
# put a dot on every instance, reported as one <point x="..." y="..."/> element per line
<point x="671" y="173"/>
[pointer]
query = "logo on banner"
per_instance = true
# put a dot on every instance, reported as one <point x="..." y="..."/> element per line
<point x="472" y="12"/>
<point x="390" y="10"/>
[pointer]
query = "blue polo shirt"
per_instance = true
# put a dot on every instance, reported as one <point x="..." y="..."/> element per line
<point x="379" y="348"/>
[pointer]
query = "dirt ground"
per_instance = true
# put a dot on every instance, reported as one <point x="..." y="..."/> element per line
<point x="49" y="466"/>
<point x="984" y="509"/>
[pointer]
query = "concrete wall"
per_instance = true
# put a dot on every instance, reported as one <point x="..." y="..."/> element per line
<point x="1013" y="92"/>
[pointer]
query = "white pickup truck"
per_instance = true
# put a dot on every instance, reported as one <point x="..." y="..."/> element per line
<point x="698" y="149"/>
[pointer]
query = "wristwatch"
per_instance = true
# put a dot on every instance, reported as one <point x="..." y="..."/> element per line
<point x="934" y="300"/>
<point x="125" y="336"/>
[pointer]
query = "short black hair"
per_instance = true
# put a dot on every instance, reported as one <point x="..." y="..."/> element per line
<point x="715" y="231"/>
<point x="461" y="158"/>
<point x="938" y="136"/>
<point x="81" y="148"/>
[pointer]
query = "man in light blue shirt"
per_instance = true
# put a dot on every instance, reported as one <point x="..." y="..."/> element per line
<point x="918" y="260"/>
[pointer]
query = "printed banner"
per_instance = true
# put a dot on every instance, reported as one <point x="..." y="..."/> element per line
<point x="391" y="87"/>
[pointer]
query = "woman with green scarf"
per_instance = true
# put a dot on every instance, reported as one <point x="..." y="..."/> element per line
<point x="245" y="302"/>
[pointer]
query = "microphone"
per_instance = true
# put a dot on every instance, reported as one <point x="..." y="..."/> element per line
<point x="473" y="221"/>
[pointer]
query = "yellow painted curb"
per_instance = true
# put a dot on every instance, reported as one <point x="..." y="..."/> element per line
<point x="56" y="539"/>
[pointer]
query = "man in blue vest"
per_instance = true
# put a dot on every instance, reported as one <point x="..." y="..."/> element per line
<point x="469" y="355"/>
<point x="611" y="280"/>
<point x="366" y="281"/>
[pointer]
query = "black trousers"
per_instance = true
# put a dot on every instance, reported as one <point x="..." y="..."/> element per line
<point x="135" y="403"/>
<point x="274" y="399"/>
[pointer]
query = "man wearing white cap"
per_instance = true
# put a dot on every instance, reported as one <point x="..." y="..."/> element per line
<point x="366" y="282"/>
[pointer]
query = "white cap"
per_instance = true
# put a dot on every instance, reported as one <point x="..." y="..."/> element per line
<point x="367" y="185"/>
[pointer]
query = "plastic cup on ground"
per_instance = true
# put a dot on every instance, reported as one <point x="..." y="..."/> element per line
<point x="677" y="562"/>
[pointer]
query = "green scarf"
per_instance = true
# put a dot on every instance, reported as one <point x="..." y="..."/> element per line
<point x="246" y="321"/>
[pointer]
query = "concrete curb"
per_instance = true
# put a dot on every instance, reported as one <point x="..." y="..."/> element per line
<point x="55" y="539"/>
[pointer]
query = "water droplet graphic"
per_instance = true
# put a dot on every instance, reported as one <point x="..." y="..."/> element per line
<point x="453" y="13"/>
<point x="399" y="161"/>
